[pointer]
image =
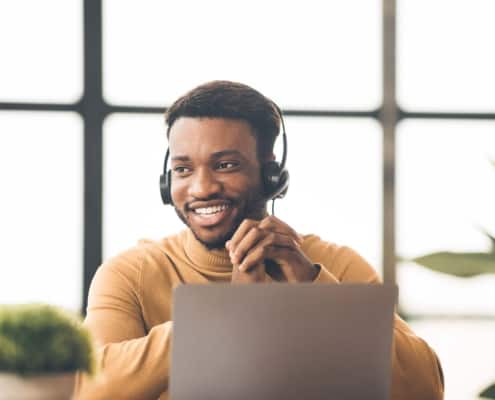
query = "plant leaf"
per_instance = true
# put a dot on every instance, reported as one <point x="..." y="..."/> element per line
<point x="489" y="236"/>
<point x="492" y="238"/>
<point x="459" y="264"/>
<point x="489" y="392"/>
<point x="40" y="338"/>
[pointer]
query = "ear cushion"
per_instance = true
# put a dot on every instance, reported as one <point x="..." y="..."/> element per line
<point x="275" y="180"/>
<point x="283" y="184"/>
<point x="165" y="184"/>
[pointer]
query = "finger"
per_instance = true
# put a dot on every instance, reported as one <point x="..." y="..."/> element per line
<point x="276" y="225"/>
<point x="255" y="275"/>
<point x="250" y="239"/>
<point x="244" y="227"/>
<point x="266" y="248"/>
<point x="264" y="238"/>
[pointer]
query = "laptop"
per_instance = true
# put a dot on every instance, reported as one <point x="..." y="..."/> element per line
<point x="282" y="341"/>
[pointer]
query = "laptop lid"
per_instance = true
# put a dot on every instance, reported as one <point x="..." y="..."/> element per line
<point x="282" y="341"/>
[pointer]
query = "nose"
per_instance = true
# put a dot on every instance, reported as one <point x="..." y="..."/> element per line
<point x="204" y="184"/>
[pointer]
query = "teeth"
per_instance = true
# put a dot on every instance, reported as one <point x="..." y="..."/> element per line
<point x="210" y="210"/>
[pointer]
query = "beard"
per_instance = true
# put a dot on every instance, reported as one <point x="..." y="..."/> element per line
<point x="254" y="208"/>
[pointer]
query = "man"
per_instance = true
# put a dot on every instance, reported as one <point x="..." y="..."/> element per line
<point x="221" y="136"/>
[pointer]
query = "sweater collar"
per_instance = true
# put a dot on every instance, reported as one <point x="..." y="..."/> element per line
<point x="206" y="260"/>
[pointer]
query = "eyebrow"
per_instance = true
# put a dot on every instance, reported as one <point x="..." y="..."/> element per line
<point x="215" y="155"/>
<point x="223" y="153"/>
<point x="180" y="158"/>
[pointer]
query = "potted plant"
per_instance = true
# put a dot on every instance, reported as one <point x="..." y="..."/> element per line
<point x="41" y="348"/>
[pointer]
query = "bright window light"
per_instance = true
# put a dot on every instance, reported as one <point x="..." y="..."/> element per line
<point x="476" y="351"/>
<point x="134" y="149"/>
<point x="319" y="54"/>
<point x="41" y="58"/>
<point x="335" y="182"/>
<point x="42" y="208"/>
<point x="445" y="197"/>
<point x="444" y="57"/>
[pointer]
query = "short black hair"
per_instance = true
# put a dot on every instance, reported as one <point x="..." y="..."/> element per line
<point x="232" y="100"/>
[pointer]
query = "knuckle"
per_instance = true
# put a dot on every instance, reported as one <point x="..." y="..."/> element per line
<point x="247" y="264"/>
<point x="268" y="221"/>
<point x="255" y="230"/>
<point x="245" y="224"/>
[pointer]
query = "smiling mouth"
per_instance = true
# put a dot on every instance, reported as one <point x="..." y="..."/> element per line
<point x="208" y="211"/>
<point x="210" y="216"/>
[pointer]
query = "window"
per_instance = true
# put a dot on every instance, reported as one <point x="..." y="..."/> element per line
<point x="41" y="213"/>
<point x="293" y="54"/>
<point x="442" y="58"/>
<point x="41" y="51"/>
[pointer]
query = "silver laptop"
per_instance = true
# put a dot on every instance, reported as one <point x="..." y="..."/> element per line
<point x="282" y="341"/>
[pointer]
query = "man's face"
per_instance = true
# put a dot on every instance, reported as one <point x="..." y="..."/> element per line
<point x="215" y="176"/>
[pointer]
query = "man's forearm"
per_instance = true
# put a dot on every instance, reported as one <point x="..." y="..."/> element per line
<point x="132" y="369"/>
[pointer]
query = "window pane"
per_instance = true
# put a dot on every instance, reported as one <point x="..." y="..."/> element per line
<point x="445" y="197"/>
<point x="466" y="351"/>
<point x="134" y="149"/>
<point x="335" y="184"/>
<point x="444" y="57"/>
<point x="41" y="50"/>
<point x="320" y="54"/>
<point x="41" y="213"/>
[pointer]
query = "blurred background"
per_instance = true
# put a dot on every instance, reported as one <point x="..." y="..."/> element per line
<point x="390" y="114"/>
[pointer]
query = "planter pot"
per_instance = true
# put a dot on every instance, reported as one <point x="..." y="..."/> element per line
<point x="39" y="387"/>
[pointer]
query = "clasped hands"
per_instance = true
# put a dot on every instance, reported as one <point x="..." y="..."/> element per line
<point x="268" y="247"/>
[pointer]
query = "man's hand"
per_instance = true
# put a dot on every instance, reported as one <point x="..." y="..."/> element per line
<point x="258" y="245"/>
<point x="256" y="274"/>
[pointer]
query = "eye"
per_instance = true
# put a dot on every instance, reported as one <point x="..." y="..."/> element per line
<point x="181" y="170"/>
<point x="227" y="165"/>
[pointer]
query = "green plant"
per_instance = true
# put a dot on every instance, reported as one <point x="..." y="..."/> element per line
<point x="489" y="392"/>
<point x="38" y="338"/>
<point x="463" y="265"/>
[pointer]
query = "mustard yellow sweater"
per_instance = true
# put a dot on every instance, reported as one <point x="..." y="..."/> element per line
<point x="129" y="309"/>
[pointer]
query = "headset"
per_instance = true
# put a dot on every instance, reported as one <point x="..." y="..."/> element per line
<point x="274" y="175"/>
